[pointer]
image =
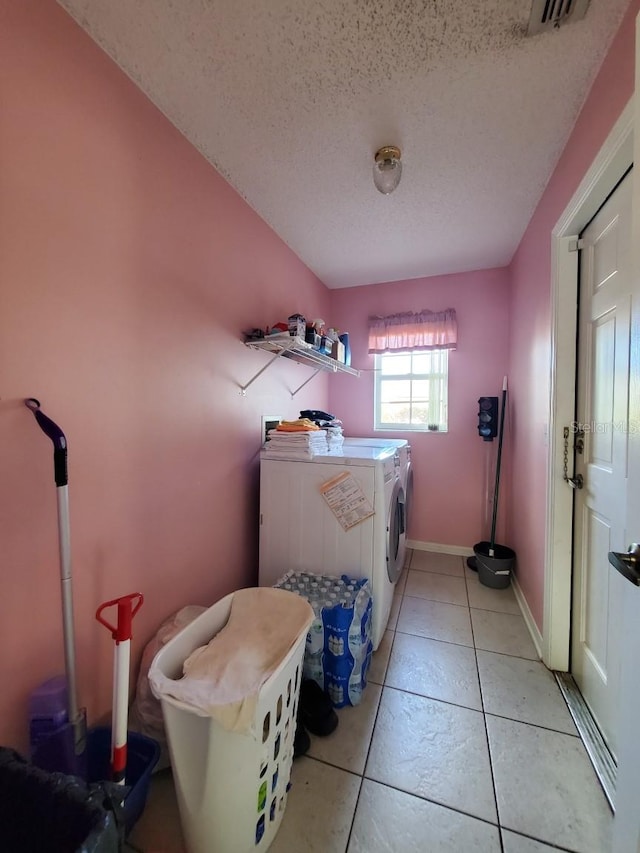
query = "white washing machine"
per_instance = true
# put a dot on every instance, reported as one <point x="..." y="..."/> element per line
<point x="406" y="471"/>
<point x="300" y="532"/>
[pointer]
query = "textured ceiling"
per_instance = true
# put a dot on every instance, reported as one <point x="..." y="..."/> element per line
<point x="289" y="99"/>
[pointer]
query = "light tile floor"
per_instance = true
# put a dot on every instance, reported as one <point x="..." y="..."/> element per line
<point x="463" y="742"/>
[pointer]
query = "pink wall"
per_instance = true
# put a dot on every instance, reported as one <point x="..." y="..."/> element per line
<point x="449" y="468"/>
<point x="530" y="273"/>
<point x="128" y="269"/>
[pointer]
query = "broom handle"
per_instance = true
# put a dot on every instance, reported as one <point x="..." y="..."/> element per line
<point x="497" y="486"/>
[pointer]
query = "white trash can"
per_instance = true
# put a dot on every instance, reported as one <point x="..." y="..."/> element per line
<point x="231" y="787"/>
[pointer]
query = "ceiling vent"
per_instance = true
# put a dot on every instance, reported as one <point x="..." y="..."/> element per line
<point x="551" y="14"/>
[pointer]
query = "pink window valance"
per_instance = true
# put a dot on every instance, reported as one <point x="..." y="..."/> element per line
<point x="424" y="330"/>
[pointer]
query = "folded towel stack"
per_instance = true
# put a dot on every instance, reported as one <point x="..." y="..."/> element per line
<point x="296" y="445"/>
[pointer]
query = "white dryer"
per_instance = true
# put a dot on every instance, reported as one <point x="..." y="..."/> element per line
<point x="406" y="471"/>
<point x="299" y="531"/>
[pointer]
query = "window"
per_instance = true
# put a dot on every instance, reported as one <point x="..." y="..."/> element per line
<point x="411" y="390"/>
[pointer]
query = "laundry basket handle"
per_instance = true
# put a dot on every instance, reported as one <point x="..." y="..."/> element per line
<point x="126" y="611"/>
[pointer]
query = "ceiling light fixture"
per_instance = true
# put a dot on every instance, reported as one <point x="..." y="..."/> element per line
<point x="387" y="169"/>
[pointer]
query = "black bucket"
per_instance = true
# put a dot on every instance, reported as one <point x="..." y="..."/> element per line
<point x="494" y="571"/>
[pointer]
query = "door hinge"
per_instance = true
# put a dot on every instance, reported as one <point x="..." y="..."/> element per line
<point x="576" y="245"/>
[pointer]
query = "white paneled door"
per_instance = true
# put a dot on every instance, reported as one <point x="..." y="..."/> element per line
<point x="626" y="827"/>
<point x="601" y="435"/>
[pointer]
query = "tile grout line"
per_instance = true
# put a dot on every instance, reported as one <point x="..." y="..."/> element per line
<point x="434" y="802"/>
<point x="373" y="729"/>
<point x="361" y="776"/>
<point x="464" y="646"/>
<point x="468" y="604"/>
<point x="548" y="844"/>
<point x="402" y="790"/>
<point x="484" y="720"/>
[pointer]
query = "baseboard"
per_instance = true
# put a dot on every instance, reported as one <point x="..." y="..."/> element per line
<point x="530" y="622"/>
<point x="458" y="550"/>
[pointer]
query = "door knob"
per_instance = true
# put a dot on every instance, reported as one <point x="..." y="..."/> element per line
<point x="627" y="564"/>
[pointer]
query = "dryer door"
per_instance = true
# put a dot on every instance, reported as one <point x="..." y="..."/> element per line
<point x="396" y="534"/>
<point x="408" y="496"/>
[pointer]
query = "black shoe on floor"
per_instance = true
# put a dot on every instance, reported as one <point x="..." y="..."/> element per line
<point x="315" y="709"/>
<point x="301" y="742"/>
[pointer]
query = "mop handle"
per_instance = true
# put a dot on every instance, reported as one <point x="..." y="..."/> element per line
<point x="121" y="633"/>
<point x="53" y="431"/>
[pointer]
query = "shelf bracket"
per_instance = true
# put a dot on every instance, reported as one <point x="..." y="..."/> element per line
<point x="313" y="375"/>
<point x="243" y="388"/>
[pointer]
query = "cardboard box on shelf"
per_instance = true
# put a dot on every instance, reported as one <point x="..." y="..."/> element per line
<point x="297" y="326"/>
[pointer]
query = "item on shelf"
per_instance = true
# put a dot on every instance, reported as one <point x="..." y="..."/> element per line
<point x="297" y="326"/>
<point x="338" y="648"/>
<point x="312" y="337"/>
<point x="347" y="349"/>
<point x="337" y="351"/>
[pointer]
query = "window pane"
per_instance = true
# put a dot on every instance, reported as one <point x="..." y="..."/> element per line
<point x="396" y="364"/>
<point x="420" y="390"/>
<point x="420" y="414"/>
<point x="395" y="413"/>
<point x="395" y="390"/>
<point x="422" y="362"/>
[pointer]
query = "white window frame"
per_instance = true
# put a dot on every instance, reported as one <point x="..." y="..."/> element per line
<point x="442" y="380"/>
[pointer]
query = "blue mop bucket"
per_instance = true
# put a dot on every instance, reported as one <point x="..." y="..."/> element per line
<point x="142" y="756"/>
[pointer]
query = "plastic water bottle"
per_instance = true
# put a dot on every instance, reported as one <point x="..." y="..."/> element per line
<point x="313" y="668"/>
<point x="315" y="637"/>
<point x="355" y="630"/>
<point x="336" y="645"/>
<point x="355" y="686"/>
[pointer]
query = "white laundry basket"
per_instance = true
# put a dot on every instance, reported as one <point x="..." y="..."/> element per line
<point x="231" y="787"/>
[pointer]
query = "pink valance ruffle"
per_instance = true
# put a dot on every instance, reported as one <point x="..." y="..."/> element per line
<point x="425" y="330"/>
